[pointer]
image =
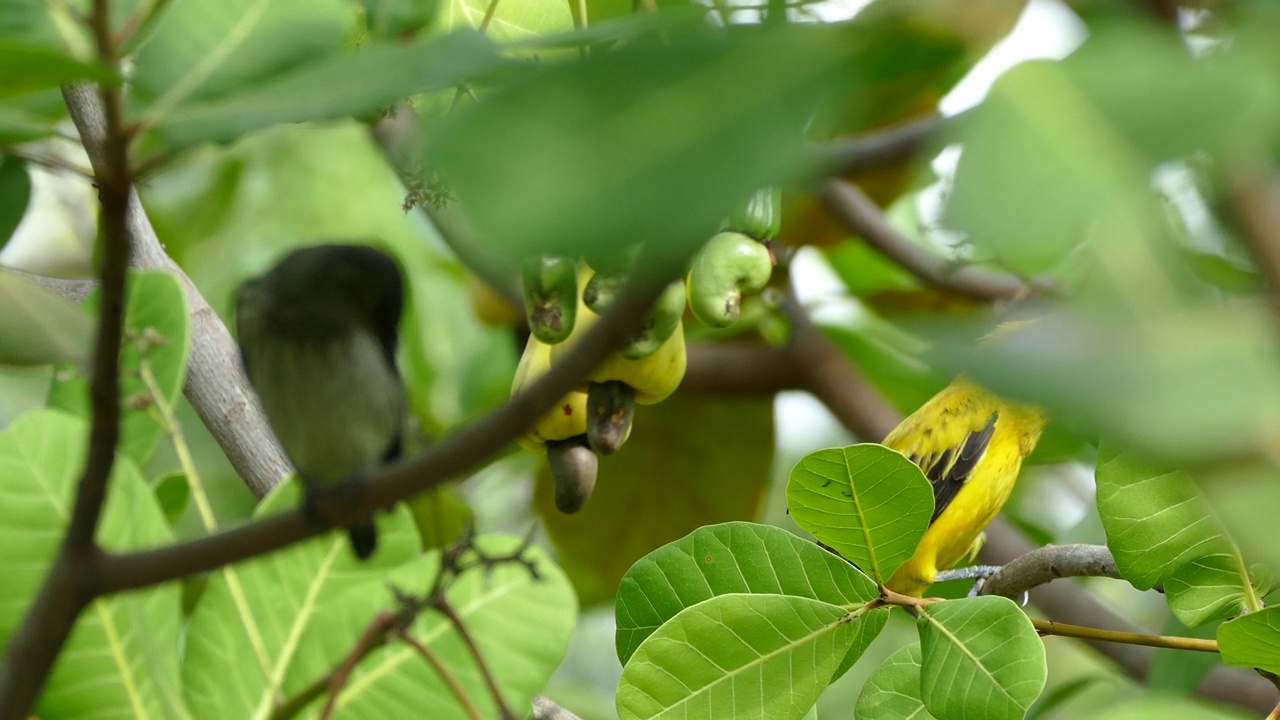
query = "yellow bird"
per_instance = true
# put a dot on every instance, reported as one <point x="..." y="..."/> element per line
<point x="970" y="444"/>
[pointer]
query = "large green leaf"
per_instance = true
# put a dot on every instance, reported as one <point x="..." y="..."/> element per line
<point x="122" y="657"/>
<point x="736" y="557"/>
<point x="867" y="502"/>
<point x="26" y="67"/>
<point x="39" y="327"/>
<point x="763" y="656"/>
<point x="521" y="625"/>
<point x="691" y="461"/>
<point x="1161" y="528"/>
<point x="156" y="306"/>
<point x="204" y="48"/>
<point x="980" y="658"/>
<point x="244" y="636"/>
<point x="355" y="85"/>
<point x="1252" y="640"/>
<point x="892" y="692"/>
<point x="15" y="193"/>
<point x="649" y="142"/>
<point x="511" y="20"/>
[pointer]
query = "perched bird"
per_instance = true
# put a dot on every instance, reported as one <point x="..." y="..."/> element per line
<point x="318" y="341"/>
<point x="970" y="444"/>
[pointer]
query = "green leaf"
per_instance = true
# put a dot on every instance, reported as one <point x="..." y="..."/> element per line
<point x="892" y="692"/>
<point x="520" y="624"/>
<point x="39" y="327"/>
<point x="980" y="658"/>
<point x="1179" y="671"/>
<point x="867" y="502"/>
<point x="512" y="20"/>
<point x="26" y="67"/>
<point x="442" y="516"/>
<point x="244" y="636"/>
<point x="156" y="306"/>
<point x="394" y="19"/>
<point x="1161" y="528"/>
<point x="18" y="125"/>
<point x="707" y="477"/>
<point x="174" y="494"/>
<point x="122" y="656"/>
<point x="1162" y="707"/>
<point x="1252" y="640"/>
<point x="15" y="193"/>
<point x="642" y="143"/>
<point x="204" y="48"/>
<point x="764" y="656"/>
<point x="735" y="557"/>
<point x="355" y="85"/>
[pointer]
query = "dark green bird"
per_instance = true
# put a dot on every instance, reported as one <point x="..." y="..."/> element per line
<point x="318" y="341"/>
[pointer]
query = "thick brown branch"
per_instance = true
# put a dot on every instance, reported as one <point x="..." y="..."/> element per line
<point x="1042" y="565"/>
<point x="862" y="217"/>
<point x="544" y="709"/>
<point x="215" y="384"/>
<point x="879" y="149"/>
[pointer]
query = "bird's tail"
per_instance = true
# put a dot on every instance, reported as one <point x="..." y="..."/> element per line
<point x="364" y="539"/>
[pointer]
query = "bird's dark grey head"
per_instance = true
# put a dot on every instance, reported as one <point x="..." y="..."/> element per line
<point x="327" y="288"/>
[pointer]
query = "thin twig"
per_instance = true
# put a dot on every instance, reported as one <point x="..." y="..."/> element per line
<point x="443" y="606"/>
<point x="1172" y="642"/>
<point x="433" y="660"/>
<point x="544" y="709"/>
<point x="1048" y="563"/>
<point x="861" y="216"/>
<point x="374" y="636"/>
<point x="48" y="162"/>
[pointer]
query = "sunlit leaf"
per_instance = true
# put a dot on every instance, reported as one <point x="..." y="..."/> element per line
<point x="892" y="692"/>
<point x="736" y="557"/>
<point x="980" y="659"/>
<point x="730" y="652"/>
<point x="867" y="502"/>
<point x="1252" y="640"/>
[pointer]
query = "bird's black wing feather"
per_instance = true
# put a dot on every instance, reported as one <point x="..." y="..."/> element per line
<point x="950" y="472"/>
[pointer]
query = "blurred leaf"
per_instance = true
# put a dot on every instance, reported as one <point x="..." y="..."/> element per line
<point x="980" y="658"/>
<point x="1163" y="707"/>
<point x="393" y="19"/>
<point x="642" y="143"/>
<point x="867" y="502"/>
<point x="1058" y="697"/>
<point x="15" y="194"/>
<point x="245" y="632"/>
<point x="354" y="85"/>
<point x="1161" y="529"/>
<point x="26" y="67"/>
<point x="156" y="305"/>
<point x="691" y="461"/>
<point x="1179" y="671"/>
<point x="892" y="692"/>
<point x="865" y="271"/>
<point x="732" y="651"/>
<point x="173" y="493"/>
<point x="521" y="626"/>
<point x="18" y="125"/>
<point x="122" y="656"/>
<point x="737" y="557"/>
<point x="39" y="327"/>
<point x="884" y="356"/>
<point x="512" y="20"/>
<point x="1252" y="640"/>
<point x="201" y="49"/>
<point x="441" y="515"/>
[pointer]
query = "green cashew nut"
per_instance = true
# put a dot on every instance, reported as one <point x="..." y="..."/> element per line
<point x="729" y="266"/>
<point x="660" y="323"/>
<point x="760" y="216"/>
<point x="550" y="297"/>
<point x="601" y="289"/>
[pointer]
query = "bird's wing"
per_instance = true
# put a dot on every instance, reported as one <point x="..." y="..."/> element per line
<point x="950" y="469"/>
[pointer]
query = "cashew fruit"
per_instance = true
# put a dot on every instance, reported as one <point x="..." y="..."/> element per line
<point x="610" y="408"/>
<point x="550" y="297"/>
<point x="573" y="468"/>
<point x="760" y="216"/>
<point x="653" y="377"/>
<point x="600" y="291"/>
<point x="659" y="324"/>
<point x="728" y="267"/>
<point x="567" y="419"/>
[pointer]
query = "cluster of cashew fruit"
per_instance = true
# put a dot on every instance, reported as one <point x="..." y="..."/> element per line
<point x="564" y="297"/>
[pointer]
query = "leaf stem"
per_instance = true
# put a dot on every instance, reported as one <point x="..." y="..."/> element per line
<point x="1172" y="642"/>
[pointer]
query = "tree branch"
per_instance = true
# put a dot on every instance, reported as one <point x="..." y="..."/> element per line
<point x="1171" y="642"/>
<point x="215" y="385"/>
<point x="1256" y="192"/>
<point x="861" y="216"/>
<point x="544" y="709"/>
<point x="879" y="149"/>
<point x="1042" y="565"/>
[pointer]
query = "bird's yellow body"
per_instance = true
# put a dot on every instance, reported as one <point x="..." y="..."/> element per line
<point x="970" y="445"/>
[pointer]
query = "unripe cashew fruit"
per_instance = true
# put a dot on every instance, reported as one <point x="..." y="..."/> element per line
<point x="728" y="267"/>
<point x="550" y="297"/>
<point x="760" y="216"/>
<point x="660" y="323"/>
